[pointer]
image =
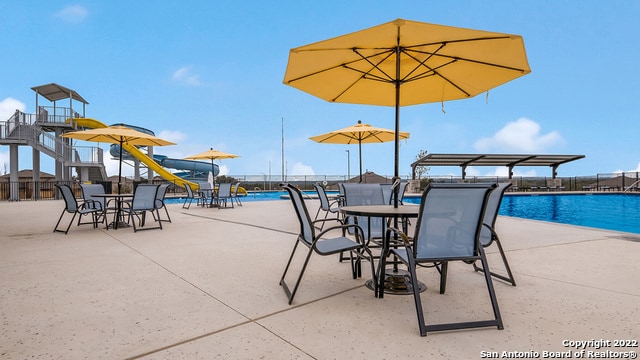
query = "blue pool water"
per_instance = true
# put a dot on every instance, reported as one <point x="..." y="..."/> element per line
<point x="604" y="211"/>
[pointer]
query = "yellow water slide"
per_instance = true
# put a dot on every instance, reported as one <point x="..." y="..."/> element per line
<point x="136" y="153"/>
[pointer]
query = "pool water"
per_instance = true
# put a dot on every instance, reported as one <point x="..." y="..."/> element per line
<point x="619" y="212"/>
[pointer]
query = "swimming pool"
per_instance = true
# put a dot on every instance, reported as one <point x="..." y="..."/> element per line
<point x="619" y="212"/>
<point x="604" y="211"/>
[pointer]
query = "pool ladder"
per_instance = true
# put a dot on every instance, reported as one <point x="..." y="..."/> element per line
<point x="631" y="186"/>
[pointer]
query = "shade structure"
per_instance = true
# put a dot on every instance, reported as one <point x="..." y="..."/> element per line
<point x="118" y="135"/>
<point x="406" y="62"/>
<point x="212" y="155"/>
<point x="358" y="134"/>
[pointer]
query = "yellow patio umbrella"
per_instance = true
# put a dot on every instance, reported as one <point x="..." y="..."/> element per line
<point x="212" y="155"/>
<point x="118" y="135"/>
<point x="359" y="133"/>
<point x="406" y="62"/>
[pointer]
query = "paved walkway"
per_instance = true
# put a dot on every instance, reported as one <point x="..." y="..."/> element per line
<point x="206" y="287"/>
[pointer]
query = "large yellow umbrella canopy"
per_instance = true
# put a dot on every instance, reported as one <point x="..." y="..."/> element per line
<point x="405" y="62"/>
<point x="118" y="135"/>
<point x="212" y="155"/>
<point x="358" y="134"/>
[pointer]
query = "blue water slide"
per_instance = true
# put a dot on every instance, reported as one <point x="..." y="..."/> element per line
<point x="190" y="169"/>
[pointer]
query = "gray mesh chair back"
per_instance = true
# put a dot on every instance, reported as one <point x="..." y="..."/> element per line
<point x="207" y="195"/>
<point x="448" y="229"/>
<point x="72" y="207"/>
<point x="326" y="206"/>
<point x="365" y="194"/>
<point x="234" y="194"/>
<point x="488" y="236"/>
<point x="159" y="204"/>
<point x="88" y="190"/>
<point x="224" y="194"/>
<point x="322" y="244"/>
<point x="144" y="200"/>
<point x="190" y="197"/>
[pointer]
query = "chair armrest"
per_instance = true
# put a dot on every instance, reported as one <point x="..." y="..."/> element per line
<point x="406" y="240"/>
<point x="359" y="233"/>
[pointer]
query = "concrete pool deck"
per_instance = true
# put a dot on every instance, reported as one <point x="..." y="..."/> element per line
<point x="206" y="287"/>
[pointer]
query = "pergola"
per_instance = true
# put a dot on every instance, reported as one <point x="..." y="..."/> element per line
<point x="508" y="160"/>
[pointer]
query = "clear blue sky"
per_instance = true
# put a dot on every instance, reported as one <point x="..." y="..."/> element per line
<point x="209" y="74"/>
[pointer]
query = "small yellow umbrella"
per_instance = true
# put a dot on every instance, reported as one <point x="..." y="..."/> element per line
<point x="118" y="135"/>
<point x="212" y="155"/>
<point x="359" y="133"/>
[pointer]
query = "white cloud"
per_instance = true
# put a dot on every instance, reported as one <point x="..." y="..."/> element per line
<point x="223" y="170"/>
<point x="185" y="76"/>
<point x="173" y="136"/>
<point x="72" y="14"/>
<point x="522" y="135"/>
<point x="8" y="106"/>
<point x="637" y="169"/>
<point x="301" y="169"/>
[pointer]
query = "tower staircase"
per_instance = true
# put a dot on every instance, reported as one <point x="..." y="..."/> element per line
<point x="25" y="129"/>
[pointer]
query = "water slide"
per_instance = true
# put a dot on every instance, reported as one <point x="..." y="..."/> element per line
<point x="135" y="152"/>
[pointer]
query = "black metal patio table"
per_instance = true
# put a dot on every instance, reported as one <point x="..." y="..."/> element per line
<point x="394" y="281"/>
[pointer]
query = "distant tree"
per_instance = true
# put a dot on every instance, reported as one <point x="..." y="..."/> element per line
<point x="421" y="170"/>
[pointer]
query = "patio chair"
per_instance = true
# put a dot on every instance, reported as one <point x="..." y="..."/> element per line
<point x="448" y="229"/>
<point x="207" y="194"/>
<point x="159" y="204"/>
<point x="99" y="203"/>
<point x="144" y="200"/>
<point x="365" y="194"/>
<point x="323" y="245"/>
<point x="72" y="207"/>
<point x="234" y="194"/>
<point x="329" y="207"/>
<point x="224" y="195"/>
<point x="488" y="235"/>
<point x="190" y="197"/>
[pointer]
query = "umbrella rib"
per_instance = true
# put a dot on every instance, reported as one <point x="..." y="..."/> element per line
<point x="367" y="74"/>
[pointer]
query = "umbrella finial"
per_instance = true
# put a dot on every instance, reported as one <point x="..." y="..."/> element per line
<point x="359" y="121"/>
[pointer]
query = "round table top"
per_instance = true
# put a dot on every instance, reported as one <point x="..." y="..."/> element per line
<point x="381" y="210"/>
<point x="112" y="195"/>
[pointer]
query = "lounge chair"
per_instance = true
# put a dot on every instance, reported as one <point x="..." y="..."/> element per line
<point x="72" y="207"/>
<point x="328" y="207"/>
<point x="224" y="195"/>
<point x="190" y="197"/>
<point x="159" y="204"/>
<point x="318" y="244"/>
<point x="448" y="229"/>
<point x="488" y="235"/>
<point x="144" y="200"/>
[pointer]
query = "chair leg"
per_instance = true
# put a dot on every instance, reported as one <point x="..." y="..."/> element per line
<point x="416" y="297"/>
<point x="442" y="269"/>
<point x="509" y="278"/>
<point x="55" y="229"/>
<point x="291" y="294"/>
<point x="492" y="294"/>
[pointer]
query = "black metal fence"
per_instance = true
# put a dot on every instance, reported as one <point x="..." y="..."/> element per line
<point x="621" y="182"/>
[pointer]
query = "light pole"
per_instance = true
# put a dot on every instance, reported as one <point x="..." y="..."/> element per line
<point x="348" y="165"/>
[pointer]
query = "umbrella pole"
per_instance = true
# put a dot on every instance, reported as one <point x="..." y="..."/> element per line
<point x="396" y="160"/>
<point x="360" y="153"/>
<point x="120" y="168"/>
